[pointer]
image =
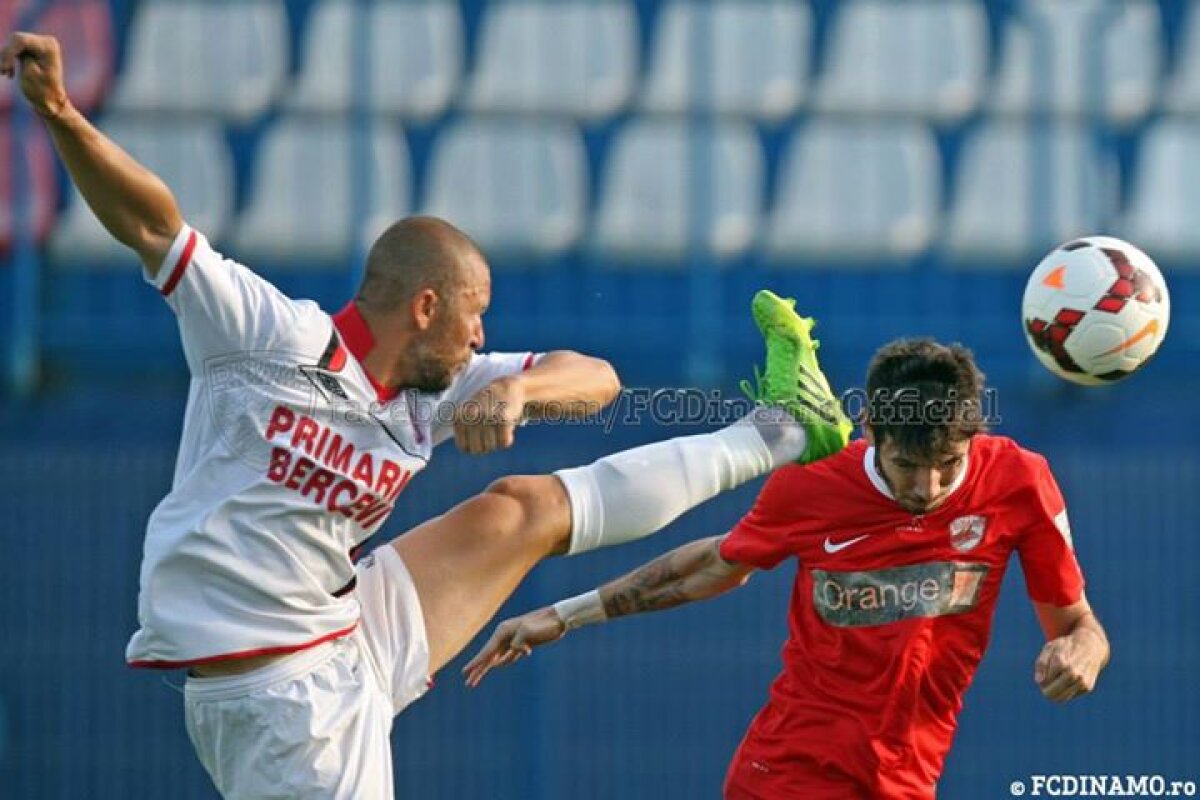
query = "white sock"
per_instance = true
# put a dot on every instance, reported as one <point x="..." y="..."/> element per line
<point x="637" y="492"/>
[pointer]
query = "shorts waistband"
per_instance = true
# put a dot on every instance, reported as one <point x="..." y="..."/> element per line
<point x="287" y="668"/>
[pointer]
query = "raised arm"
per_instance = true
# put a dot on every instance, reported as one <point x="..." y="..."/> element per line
<point x="132" y="203"/>
<point x="692" y="572"/>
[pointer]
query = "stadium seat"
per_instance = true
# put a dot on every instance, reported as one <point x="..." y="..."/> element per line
<point x="1182" y="92"/>
<point x="1020" y="189"/>
<point x="515" y="185"/>
<point x="576" y="57"/>
<point x="757" y="57"/>
<point x="303" y="198"/>
<point x="1118" y="80"/>
<point x="414" y="57"/>
<point x="85" y="29"/>
<point x="191" y="156"/>
<point x="1166" y="192"/>
<point x="922" y="57"/>
<point x="652" y="201"/>
<point x="39" y="187"/>
<point x="228" y="59"/>
<point x="855" y="191"/>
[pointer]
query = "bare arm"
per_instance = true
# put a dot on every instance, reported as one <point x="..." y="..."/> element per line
<point x="689" y="573"/>
<point x="1076" y="650"/>
<point x="132" y="203"/>
<point x="562" y="385"/>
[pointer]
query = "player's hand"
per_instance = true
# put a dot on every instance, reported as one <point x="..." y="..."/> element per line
<point x="514" y="639"/>
<point x="489" y="420"/>
<point x="40" y="62"/>
<point x="1069" y="665"/>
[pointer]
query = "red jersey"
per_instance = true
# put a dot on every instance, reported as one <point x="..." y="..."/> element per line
<point x="890" y="615"/>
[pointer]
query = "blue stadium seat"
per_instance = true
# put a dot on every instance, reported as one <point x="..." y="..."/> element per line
<point x="571" y="57"/>
<point x="757" y="55"/>
<point x="226" y="59"/>
<point x="1166" y="192"/>
<point x="854" y="191"/>
<point x="1068" y="76"/>
<point x="1021" y="189"/>
<point x="924" y="57"/>
<point x="306" y="192"/>
<point x="191" y="156"/>
<point x="415" y="57"/>
<point x="1182" y="92"/>
<point x="652" y="202"/>
<point x="515" y="185"/>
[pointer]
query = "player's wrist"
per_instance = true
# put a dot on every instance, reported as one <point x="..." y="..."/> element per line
<point x="580" y="610"/>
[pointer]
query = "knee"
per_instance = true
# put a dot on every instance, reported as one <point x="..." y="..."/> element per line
<point x="541" y="505"/>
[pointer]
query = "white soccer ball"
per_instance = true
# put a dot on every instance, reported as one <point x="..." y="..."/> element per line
<point x="1095" y="310"/>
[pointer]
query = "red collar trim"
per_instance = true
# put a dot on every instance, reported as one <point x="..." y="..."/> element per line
<point x="360" y="341"/>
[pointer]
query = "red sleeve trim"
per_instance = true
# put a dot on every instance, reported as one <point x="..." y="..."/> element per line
<point x="265" y="651"/>
<point x="528" y="363"/>
<point x="180" y="266"/>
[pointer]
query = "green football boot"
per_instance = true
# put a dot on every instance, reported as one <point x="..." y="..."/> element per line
<point x="793" y="379"/>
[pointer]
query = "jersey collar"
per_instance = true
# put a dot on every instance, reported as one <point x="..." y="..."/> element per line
<point x="360" y="341"/>
<point x="881" y="485"/>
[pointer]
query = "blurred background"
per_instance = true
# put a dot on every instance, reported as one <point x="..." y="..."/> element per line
<point x="634" y="169"/>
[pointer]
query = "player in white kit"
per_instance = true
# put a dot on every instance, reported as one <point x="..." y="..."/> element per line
<point x="301" y="431"/>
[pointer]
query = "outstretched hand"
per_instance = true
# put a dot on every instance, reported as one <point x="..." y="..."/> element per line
<point x="41" y="71"/>
<point x="514" y="639"/>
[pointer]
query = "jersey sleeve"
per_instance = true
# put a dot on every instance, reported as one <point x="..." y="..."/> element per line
<point x="221" y="306"/>
<point x="1052" y="574"/>
<point x="479" y="372"/>
<point x="765" y="535"/>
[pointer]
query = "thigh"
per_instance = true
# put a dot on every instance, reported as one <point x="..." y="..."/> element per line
<point x="468" y="561"/>
<point x="323" y="733"/>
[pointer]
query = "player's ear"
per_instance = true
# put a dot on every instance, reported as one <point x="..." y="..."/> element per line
<point x="868" y="433"/>
<point x="424" y="308"/>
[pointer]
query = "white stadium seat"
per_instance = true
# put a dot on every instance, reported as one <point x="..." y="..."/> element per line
<point x="921" y="57"/>
<point x="1166" y="193"/>
<point x="227" y="58"/>
<point x="576" y="57"/>
<point x="854" y="191"/>
<point x="414" y="57"/>
<point x="756" y="54"/>
<point x="1182" y="93"/>
<point x="1021" y="189"/>
<point x="653" y="201"/>
<point x="191" y="156"/>
<point x="1051" y="64"/>
<point x="514" y="185"/>
<point x="306" y="191"/>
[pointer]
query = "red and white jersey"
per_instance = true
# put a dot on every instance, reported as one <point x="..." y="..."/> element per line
<point x="890" y="614"/>
<point x="291" y="456"/>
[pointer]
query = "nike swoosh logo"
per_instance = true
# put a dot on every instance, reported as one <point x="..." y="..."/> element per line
<point x="831" y="547"/>
<point x="1149" y="329"/>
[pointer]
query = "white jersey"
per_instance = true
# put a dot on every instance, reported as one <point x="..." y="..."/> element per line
<point x="291" y="457"/>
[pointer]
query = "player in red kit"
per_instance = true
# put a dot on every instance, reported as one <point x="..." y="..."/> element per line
<point x="901" y="540"/>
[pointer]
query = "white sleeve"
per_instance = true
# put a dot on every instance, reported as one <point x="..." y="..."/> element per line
<point x="479" y="372"/>
<point x="222" y="307"/>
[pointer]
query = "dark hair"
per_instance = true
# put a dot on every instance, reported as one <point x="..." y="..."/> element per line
<point x="924" y="396"/>
<point x="411" y="255"/>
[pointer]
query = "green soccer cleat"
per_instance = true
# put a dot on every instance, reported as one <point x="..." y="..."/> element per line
<point x="793" y="379"/>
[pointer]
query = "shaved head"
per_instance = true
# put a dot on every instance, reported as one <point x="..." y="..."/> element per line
<point x="414" y="254"/>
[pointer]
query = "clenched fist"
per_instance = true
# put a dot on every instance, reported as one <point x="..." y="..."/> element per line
<point x="40" y="61"/>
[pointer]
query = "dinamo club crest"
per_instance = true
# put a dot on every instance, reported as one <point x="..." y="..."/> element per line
<point x="966" y="532"/>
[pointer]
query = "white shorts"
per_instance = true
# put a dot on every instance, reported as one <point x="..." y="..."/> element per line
<point x="316" y="724"/>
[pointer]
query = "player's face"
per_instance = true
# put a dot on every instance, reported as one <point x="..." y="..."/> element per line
<point x="920" y="484"/>
<point x="456" y="332"/>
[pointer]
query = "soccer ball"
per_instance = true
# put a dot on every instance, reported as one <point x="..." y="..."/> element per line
<point x="1095" y="310"/>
